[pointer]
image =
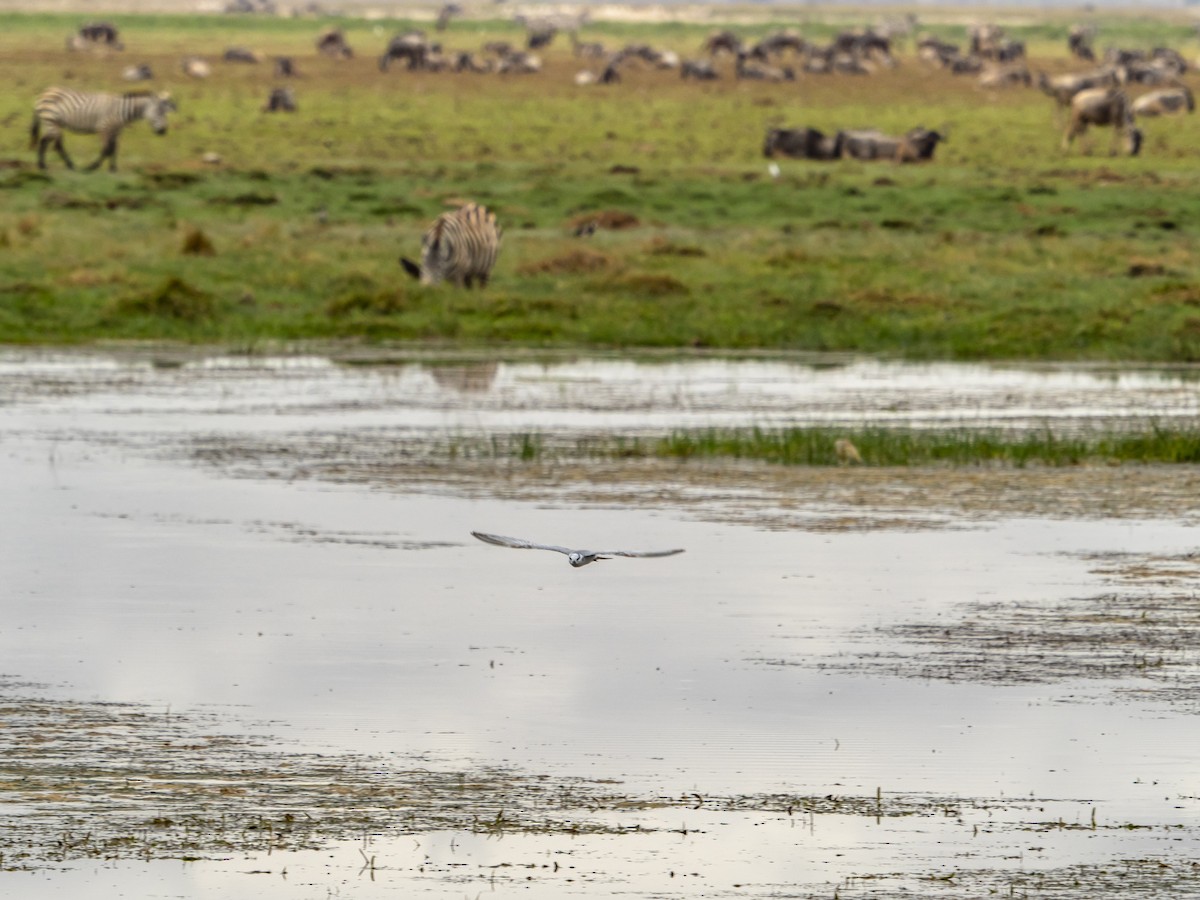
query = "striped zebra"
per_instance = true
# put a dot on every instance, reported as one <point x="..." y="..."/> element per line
<point x="64" y="109"/>
<point x="460" y="247"/>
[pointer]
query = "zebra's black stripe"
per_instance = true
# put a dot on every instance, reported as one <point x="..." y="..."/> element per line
<point x="460" y="247"/>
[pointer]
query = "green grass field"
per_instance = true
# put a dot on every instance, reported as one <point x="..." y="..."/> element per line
<point x="1003" y="247"/>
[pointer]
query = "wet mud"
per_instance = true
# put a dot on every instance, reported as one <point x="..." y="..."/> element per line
<point x="1136" y="642"/>
<point x="123" y="781"/>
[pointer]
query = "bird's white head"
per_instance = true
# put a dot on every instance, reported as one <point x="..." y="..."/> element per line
<point x="577" y="559"/>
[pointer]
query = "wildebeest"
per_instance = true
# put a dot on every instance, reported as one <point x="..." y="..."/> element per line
<point x="802" y="143"/>
<point x="868" y="144"/>
<point x="465" y="61"/>
<point x="195" y="67"/>
<point x="460" y="247"/>
<point x="918" y="144"/>
<point x="519" y="63"/>
<point x="1104" y="106"/>
<point x="284" y="67"/>
<point x="1005" y="76"/>
<point x="933" y="50"/>
<point x="778" y="43"/>
<point x="410" y="46"/>
<point x="723" y="42"/>
<point x="1064" y="87"/>
<point x="587" y="49"/>
<point x="749" y="68"/>
<point x="140" y="72"/>
<point x="100" y="32"/>
<point x="448" y="11"/>
<point x="332" y="42"/>
<point x="1166" y="102"/>
<point x="97" y="34"/>
<point x="540" y="35"/>
<point x="989" y="42"/>
<point x="281" y="99"/>
<point x="700" y="69"/>
<point x="1079" y="42"/>
<point x="915" y="145"/>
<point x="241" y="55"/>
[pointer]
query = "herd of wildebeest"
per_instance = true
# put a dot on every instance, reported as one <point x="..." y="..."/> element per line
<point x="1117" y="87"/>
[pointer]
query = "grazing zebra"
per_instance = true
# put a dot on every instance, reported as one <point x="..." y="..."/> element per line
<point x="63" y="109"/>
<point x="460" y="247"/>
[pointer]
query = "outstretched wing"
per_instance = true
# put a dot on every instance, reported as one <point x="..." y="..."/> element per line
<point x="641" y="553"/>
<point x="517" y="543"/>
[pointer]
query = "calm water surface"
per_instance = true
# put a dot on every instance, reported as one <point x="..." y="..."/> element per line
<point x="343" y="618"/>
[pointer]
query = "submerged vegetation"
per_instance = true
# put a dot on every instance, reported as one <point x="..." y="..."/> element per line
<point x="245" y="226"/>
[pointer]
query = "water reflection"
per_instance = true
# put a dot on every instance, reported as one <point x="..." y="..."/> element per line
<point x="354" y="618"/>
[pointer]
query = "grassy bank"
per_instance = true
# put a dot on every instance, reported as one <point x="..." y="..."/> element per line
<point x="1002" y="248"/>
<point x="1154" y="444"/>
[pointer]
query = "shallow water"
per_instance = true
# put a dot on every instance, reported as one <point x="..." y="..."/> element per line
<point x="345" y="616"/>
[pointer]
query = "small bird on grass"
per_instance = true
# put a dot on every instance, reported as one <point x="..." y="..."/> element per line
<point x="576" y="558"/>
<point x="846" y="452"/>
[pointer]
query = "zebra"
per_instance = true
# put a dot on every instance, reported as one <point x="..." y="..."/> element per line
<point x="460" y="247"/>
<point x="59" y="109"/>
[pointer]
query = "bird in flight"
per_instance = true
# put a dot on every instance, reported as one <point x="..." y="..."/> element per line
<point x="576" y="558"/>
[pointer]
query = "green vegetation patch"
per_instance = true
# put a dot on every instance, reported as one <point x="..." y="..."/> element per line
<point x="638" y="214"/>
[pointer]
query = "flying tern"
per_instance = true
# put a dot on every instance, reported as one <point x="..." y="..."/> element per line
<point x="576" y="558"/>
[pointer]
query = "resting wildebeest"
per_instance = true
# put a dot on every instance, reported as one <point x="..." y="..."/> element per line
<point x="700" y="69"/>
<point x="802" y="143"/>
<point x="140" y="72"/>
<point x="1166" y="102"/>
<point x="1103" y="106"/>
<point x="241" y="55"/>
<point x="1005" y="76"/>
<point x="748" y="68"/>
<point x="916" y="145"/>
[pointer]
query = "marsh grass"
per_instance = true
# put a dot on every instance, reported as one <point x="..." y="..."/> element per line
<point x="1002" y="248"/>
<point x="1154" y="444"/>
